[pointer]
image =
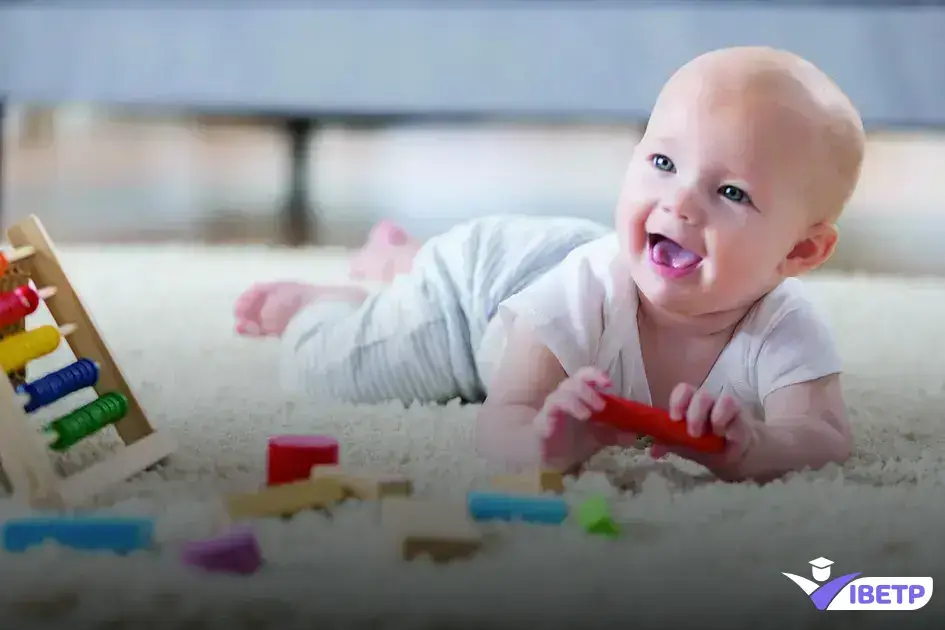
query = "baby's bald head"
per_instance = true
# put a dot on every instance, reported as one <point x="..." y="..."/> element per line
<point x="792" y="101"/>
<point x="748" y="159"/>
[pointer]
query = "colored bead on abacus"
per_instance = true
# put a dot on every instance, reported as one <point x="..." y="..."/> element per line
<point x="87" y="420"/>
<point x="15" y="305"/>
<point x="16" y="351"/>
<point x="59" y="384"/>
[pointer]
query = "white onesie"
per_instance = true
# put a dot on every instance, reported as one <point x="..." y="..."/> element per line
<point x="585" y="320"/>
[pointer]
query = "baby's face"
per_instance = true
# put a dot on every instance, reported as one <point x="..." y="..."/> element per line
<point x="717" y="197"/>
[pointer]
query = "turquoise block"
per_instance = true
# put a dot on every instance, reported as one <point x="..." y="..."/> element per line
<point x="489" y="506"/>
<point x="85" y="533"/>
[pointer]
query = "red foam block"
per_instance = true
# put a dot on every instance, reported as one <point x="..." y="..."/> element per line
<point x="628" y="415"/>
<point x="291" y="457"/>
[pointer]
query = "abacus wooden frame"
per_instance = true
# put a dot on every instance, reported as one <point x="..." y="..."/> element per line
<point x="24" y="453"/>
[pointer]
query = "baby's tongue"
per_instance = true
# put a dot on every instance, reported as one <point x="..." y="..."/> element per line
<point x="672" y="254"/>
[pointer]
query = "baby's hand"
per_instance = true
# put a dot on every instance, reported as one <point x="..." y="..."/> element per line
<point x="704" y="414"/>
<point x="567" y="438"/>
<point x="265" y="309"/>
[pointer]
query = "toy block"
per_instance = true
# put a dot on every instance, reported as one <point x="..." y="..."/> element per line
<point x="86" y="533"/>
<point x="236" y="551"/>
<point x="25" y="451"/>
<point x="366" y="485"/>
<point x="531" y="482"/>
<point x="291" y="457"/>
<point x="490" y="506"/>
<point x="441" y="531"/>
<point x="594" y="516"/>
<point x="285" y="499"/>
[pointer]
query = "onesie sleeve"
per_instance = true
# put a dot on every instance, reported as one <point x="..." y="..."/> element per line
<point x="565" y="306"/>
<point x="798" y="347"/>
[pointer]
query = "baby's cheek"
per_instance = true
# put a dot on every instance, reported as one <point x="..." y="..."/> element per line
<point x="746" y="262"/>
<point x="727" y="256"/>
<point x="630" y="228"/>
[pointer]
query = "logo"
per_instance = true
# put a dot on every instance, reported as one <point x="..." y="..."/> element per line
<point x="852" y="592"/>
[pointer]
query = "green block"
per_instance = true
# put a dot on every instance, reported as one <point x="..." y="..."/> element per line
<point x="594" y="517"/>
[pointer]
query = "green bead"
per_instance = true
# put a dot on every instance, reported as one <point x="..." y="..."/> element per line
<point x="594" y="517"/>
<point x="87" y="420"/>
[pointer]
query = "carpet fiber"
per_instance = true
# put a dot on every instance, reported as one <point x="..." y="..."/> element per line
<point x="692" y="551"/>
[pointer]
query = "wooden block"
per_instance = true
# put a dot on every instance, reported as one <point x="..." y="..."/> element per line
<point x="442" y="531"/>
<point x="286" y="499"/>
<point x="532" y="482"/>
<point x="530" y="508"/>
<point x="366" y="485"/>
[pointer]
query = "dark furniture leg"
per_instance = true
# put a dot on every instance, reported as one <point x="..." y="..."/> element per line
<point x="297" y="218"/>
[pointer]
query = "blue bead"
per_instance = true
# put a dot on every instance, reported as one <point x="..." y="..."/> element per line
<point x="59" y="384"/>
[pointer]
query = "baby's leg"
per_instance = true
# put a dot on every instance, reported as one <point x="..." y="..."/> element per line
<point x="408" y="341"/>
<point x="265" y="308"/>
<point x="417" y="338"/>
<point x="388" y="252"/>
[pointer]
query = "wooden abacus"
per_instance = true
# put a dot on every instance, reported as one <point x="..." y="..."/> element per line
<point x="25" y="448"/>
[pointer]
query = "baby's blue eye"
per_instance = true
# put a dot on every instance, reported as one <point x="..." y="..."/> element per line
<point x="733" y="193"/>
<point x="663" y="163"/>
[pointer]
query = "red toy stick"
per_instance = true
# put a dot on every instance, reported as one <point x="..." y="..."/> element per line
<point x="627" y="415"/>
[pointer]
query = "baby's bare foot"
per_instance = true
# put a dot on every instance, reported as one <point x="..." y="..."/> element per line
<point x="265" y="310"/>
<point x="389" y="251"/>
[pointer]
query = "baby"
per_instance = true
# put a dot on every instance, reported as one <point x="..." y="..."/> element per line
<point x="692" y="304"/>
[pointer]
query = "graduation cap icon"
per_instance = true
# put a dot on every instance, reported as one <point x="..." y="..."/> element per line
<point x="820" y="568"/>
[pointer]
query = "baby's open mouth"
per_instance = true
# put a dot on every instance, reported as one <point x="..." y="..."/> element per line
<point x="668" y="253"/>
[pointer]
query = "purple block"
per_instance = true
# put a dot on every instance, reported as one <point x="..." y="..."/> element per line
<point x="235" y="552"/>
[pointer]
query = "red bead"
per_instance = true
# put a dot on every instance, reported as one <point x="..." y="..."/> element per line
<point x="29" y="298"/>
<point x="291" y="457"/>
<point x="17" y="304"/>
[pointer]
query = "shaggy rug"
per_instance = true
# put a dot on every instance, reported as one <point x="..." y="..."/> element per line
<point x="692" y="551"/>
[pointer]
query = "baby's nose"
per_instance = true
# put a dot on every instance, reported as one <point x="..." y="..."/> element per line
<point x="686" y="205"/>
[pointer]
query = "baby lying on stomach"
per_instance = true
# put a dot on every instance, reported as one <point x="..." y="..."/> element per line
<point x="691" y="303"/>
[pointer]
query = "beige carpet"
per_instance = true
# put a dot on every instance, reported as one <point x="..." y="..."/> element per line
<point x="693" y="552"/>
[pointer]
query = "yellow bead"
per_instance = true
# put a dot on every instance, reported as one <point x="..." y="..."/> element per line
<point x="18" y="350"/>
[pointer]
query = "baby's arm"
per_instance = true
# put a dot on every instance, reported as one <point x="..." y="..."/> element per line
<point x="554" y="327"/>
<point x="538" y="414"/>
<point x="527" y="374"/>
<point x="796" y="369"/>
<point x="805" y="426"/>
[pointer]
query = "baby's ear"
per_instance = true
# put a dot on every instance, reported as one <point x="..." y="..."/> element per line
<point x="813" y="250"/>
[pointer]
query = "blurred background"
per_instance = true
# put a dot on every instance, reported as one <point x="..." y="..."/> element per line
<point x="154" y="125"/>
